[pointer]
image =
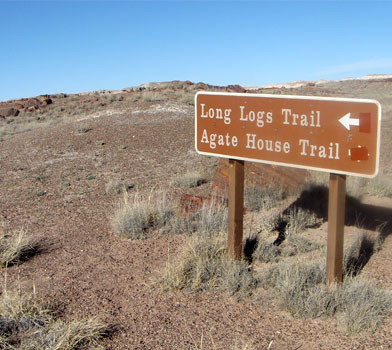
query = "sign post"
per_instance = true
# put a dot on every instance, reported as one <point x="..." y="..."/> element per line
<point x="336" y="213"/>
<point x="340" y="136"/>
<point x="236" y="208"/>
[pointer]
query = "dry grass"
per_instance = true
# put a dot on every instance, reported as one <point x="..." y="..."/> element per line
<point x="210" y="217"/>
<point x="294" y="245"/>
<point x="203" y="265"/>
<point x="301" y="290"/>
<point x="189" y="180"/>
<point x="188" y="99"/>
<point x="15" y="247"/>
<point x="356" y="187"/>
<point x="202" y="342"/>
<point x="137" y="215"/>
<point x="26" y="324"/>
<point x="292" y="282"/>
<point x="262" y="198"/>
<point x="267" y="252"/>
<point x="151" y="96"/>
<point x="364" y="306"/>
<point x="290" y="228"/>
<point x="117" y="187"/>
<point x="379" y="187"/>
<point x="299" y="219"/>
<point x="200" y="265"/>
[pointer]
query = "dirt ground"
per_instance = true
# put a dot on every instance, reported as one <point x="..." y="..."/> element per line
<point x="53" y="185"/>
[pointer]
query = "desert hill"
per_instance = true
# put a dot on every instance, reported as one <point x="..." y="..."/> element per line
<point x="68" y="160"/>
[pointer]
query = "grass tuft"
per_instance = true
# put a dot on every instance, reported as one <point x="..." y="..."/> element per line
<point x="301" y="290"/>
<point x="379" y="187"/>
<point x="299" y="219"/>
<point x="189" y="180"/>
<point x="359" y="254"/>
<point x="292" y="283"/>
<point x="117" y="187"/>
<point x="137" y="214"/>
<point x="15" y="248"/>
<point x="267" y="252"/>
<point x="210" y="217"/>
<point x="188" y="99"/>
<point x="203" y="265"/>
<point x="26" y="324"/>
<point x="150" y="96"/>
<point x="262" y="198"/>
<point x="296" y="244"/>
<point x="238" y="278"/>
<point x="364" y="305"/>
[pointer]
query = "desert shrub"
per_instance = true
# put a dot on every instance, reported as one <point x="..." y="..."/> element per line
<point x="364" y="305"/>
<point x="188" y="180"/>
<point x="25" y="324"/>
<point x="379" y="187"/>
<point x="296" y="244"/>
<point x="210" y="217"/>
<point x="83" y="129"/>
<point x="188" y="99"/>
<point x="293" y="245"/>
<point x="203" y="265"/>
<point x="117" y="187"/>
<point x="301" y="290"/>
<point x="137" y="214"/>
<point x="360" y="252"/>
<point x="262" y="198"/>
<point x="133" y="98"/>
<point x="200" y="265"/>
<point x="238" y="279"/>
<point x="299" y="219"/>
<point x="267" y="221"/>
<point x="267" y="252"/>
<point x="292" y="282"/>
<point x="151" y="96"/>
<point x="15" y="247"/>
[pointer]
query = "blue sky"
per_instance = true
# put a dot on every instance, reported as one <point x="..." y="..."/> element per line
<point x="72" y="46"/>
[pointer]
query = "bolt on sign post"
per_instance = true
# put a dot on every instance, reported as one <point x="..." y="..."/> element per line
<point x="340" y="136"/>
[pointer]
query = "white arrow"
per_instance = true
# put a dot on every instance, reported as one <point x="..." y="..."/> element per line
<point x="347" y="121"/>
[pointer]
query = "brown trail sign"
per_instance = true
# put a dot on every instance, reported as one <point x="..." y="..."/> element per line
<point x="328" y="134"/>
<point x="335" y="135"/>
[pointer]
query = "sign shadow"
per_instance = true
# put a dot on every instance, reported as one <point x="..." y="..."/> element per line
<point x="357" y="214"/>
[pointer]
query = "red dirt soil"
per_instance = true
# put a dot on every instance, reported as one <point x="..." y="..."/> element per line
<point x="53" y="185"/>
